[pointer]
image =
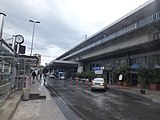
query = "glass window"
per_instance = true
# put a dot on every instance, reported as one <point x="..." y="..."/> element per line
<point x="158" y="59"/>
<point x="117" y="63"/>
<point x="140" y="61"/>
<point x="121" y="32"/>
<point x="105" y="39"/>
<point x="157" y="15"/>
<point x="123" y="62"/>
<point x="91" y="67"/>
<point x="133" y="61"/>
<point x="151" y="60"/>
<point x="110" y="64"/>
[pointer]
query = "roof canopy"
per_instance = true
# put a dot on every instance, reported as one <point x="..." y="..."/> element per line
<point x="62" y="63"/>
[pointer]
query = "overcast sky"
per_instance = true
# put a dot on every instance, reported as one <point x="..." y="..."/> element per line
<point x="63" y="23"/>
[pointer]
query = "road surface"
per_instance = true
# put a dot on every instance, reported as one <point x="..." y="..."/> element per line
<point x="102" y="105"/>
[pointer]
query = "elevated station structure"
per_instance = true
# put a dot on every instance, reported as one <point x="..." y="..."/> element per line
<point x="133" y="39"/>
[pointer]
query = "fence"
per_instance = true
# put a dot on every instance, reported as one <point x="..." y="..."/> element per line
<point x="5" y="91"/>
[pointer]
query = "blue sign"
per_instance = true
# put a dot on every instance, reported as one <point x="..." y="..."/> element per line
<point x="97" y="68"/>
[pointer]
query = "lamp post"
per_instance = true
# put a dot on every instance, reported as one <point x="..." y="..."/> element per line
<point x="34" y="22"/>
<point x="1" y="24"/>
<point x="1" y="29"/>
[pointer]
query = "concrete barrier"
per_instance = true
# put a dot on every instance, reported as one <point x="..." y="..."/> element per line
<point x="26" y="94"/>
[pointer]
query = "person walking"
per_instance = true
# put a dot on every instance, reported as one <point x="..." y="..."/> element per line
<point x="40" y="76"/>
<point x="33" y="75"/>
<point x="44" y="77"/>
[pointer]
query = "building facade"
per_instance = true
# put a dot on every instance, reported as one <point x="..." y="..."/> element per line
<point x="133" y="39"/>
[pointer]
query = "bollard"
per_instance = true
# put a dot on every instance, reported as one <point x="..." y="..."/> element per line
<point x="86" y="83"/>
<point x="70" y="82"/>
<point x="76" y="84"/>
<point x="76" y="81"/>
<point x="26" y="94"/>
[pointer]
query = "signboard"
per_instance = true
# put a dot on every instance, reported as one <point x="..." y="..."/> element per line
<point x="22" y="48"/>
<point x="120" y="77"/>
<point x="97" y="68"/>
<point x="99" y="72"/>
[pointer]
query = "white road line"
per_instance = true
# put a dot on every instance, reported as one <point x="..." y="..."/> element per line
<point x="141" y="102"/>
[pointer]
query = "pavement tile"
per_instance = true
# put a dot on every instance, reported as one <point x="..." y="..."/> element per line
<point x="41" y="109"/>
<point x="8" y="108"/>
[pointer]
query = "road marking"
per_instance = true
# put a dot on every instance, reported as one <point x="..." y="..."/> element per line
<point x="141" y="102"/>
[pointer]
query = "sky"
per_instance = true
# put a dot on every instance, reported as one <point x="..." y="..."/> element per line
<point x="63" y="23"/>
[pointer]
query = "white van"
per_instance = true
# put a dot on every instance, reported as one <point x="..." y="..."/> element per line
<point x="61" y="75"/>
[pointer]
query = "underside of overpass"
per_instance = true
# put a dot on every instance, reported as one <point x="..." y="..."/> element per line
<point x="63" y="63"/>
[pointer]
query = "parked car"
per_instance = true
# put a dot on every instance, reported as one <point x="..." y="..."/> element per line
<point x="52" y="75"/>
<point x="62" y="77"/>
<point x="83" y="80"/>
<point x="98" y="83"/>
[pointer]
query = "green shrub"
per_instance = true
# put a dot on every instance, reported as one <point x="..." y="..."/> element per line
<point x="142" y="75"/>
<point x="125" y="72"/>
<point x="86" y="75"/>
<point x="154" y="76"/>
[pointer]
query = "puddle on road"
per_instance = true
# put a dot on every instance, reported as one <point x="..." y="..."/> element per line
<point x="99" y="101"/>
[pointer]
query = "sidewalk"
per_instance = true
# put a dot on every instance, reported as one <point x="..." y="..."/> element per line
<point x="150" y="94"/>
<point x="8" y="108"/>
<point x="38" y="109"/>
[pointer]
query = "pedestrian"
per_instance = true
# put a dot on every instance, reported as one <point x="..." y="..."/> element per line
<point x="44" y="76"/>
<point x="40" y="76"/>
<point x="33" y="75"/>
<point x="37" y="75"/>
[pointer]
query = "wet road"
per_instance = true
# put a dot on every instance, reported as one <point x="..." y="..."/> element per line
<point x="104" y="105"/>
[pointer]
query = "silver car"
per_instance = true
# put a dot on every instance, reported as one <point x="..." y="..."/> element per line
<point x="52" y="75"/>
<point x="98" y="83"/>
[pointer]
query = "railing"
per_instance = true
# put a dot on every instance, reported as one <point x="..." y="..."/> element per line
<point x="4" y="91"/>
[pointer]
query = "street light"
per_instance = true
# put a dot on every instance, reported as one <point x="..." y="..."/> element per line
<point x="1" y="24"/>
<point x="34" y="22"/>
